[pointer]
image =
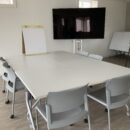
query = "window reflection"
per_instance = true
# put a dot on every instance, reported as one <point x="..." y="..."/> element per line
<point x="88" y="3"/>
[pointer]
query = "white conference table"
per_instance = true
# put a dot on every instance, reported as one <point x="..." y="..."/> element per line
<point x="58" y="71"/>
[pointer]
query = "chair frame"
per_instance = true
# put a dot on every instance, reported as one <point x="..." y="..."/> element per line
<point x="2" y="60"/>
<point x="108" y="103"/>
<point x="51" y="109"/>
<point x="10" y="84"/>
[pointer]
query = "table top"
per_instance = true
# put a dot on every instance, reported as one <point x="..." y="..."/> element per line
<point x="58" y="71"/>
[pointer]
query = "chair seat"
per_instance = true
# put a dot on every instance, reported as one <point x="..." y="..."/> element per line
<point x="64" y="118"/>
<point x="100" y="96"/>
<point x="19" y="85"/>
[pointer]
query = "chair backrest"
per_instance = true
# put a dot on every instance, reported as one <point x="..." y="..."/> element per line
<point x="94" y="56"/>
<point x="83" y="53"/>
<point x="11" y="77"/>
<point x="2" y="60"/>
<point x="66" y="100"/>
<point x="119" y="86"/>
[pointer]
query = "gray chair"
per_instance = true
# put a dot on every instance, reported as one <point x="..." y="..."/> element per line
<point x="2" y="61"/>
<point x="115" y="94"/>
<point x="83" y="53"/>
<point x="65" y="108"/>
<point x="90" y="55"/>
<point x="95" y="56"/>
<point x="12" y="84"/>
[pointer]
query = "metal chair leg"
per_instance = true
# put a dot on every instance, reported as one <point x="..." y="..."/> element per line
<point x="7" y="98"/>
<point x="3" y="91"/>
<point x="87" y="109"/>
<point x="29" y="109"/>
<point x="37" y="128"/>
<point x="109" y="120"/>
<point x="3" y="87"/>
<point x="89" y="122"/>
<point x="85" y="120"/>
<point x="106" y="110"/>
<point x="128" y="110"/>
<point x="13" y="102"/>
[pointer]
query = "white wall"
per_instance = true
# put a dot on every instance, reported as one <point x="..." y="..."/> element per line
<point x="128" y="17"/>
<point x="29" y="12"/>
<point x="40" y="12"/>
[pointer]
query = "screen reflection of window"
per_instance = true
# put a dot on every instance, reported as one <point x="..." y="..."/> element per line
<point x="62" y="22"/>
<point x="83" y="24"/>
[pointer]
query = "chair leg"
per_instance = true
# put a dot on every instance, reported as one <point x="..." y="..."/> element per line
<point x="88" y="112"/>
<point x="37" y="128"/>
<point x="3" y="87"/>
<point x="48" y="126"/>
<point x="89" y="122"/>
<point x="109" y="120"/>
<point x="13" y="102"/>
<point x="29" y="110"/>
<point x="85" y="120"/>
<point x="106" y="110"/>
<point x="128" y="110"/>
<point x="7" y="98"/>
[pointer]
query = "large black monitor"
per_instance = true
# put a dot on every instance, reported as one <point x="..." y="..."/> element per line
<point x="78" y="23"/>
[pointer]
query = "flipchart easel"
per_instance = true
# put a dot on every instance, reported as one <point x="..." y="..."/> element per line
<point x="33" y="40"/>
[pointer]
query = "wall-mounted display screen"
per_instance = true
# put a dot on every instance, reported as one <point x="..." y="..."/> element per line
<point x="78" y="23"/>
